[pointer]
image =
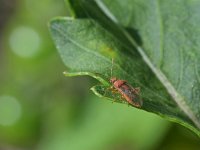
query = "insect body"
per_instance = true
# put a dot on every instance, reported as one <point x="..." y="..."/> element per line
<point x="130" y="94"/>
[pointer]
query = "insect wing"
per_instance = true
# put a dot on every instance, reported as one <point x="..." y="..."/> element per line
<point x="129" y="92"/>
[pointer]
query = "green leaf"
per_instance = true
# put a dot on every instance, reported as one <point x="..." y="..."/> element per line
<point x="87" y="48"/>
<point x="170" y="44"/>
<point x="166" y="35"/>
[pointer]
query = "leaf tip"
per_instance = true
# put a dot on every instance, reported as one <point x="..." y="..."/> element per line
<point x="59" y="19"/>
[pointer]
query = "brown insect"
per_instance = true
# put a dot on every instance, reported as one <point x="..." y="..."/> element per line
<point x="128" y="93"/>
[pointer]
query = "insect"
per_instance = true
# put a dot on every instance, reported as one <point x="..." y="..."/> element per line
<point x="128" y="93"/>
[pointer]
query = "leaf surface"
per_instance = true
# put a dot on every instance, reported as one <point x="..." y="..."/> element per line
<point x="87" y="48"/>
<point x="170" y="44"/>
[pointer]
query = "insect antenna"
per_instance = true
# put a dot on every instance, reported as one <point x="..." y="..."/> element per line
<point x="111" y="70"/>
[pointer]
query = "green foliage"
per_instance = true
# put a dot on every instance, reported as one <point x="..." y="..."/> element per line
<point x="154" y="47"/>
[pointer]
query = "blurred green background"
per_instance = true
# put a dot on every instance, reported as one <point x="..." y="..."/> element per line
<point x="40" y="109"/>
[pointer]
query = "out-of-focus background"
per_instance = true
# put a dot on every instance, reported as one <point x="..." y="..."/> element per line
<point x="40" y="109"/>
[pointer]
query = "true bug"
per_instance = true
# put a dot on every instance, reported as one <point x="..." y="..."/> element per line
<point x="128" y="93"/>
